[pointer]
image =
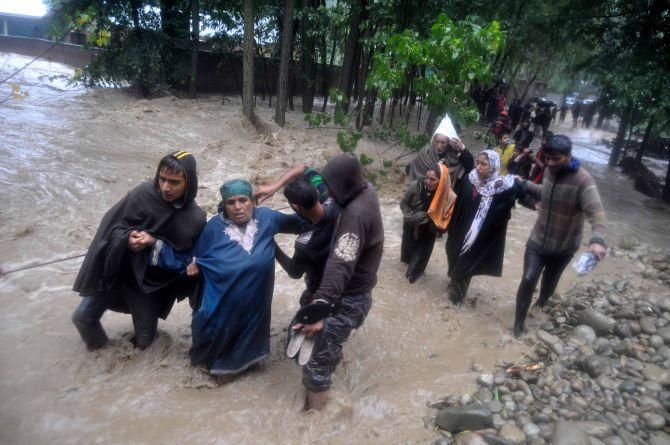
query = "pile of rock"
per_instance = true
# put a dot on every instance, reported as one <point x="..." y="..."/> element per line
<point x="605" y="376"/>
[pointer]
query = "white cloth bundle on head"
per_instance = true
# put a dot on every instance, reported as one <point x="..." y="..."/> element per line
<point x="446" y="128"/>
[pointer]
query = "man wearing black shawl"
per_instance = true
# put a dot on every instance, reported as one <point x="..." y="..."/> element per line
<point x="115" y="274"/>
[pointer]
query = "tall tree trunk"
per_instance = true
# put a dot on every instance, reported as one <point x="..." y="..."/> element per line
<point x="284" y="59"/>
<point x="328" y="74"/>
<point x="351" y="48"/>
<point x="308" y="66"/>
<point x="433" y="114"/>
<point x="621" y="135"/>
<point x="666" y="189"/>
<point x="195" y="39"/>
<point x="645" y="140"/>
<point x="528" y="84"/>
<point x="135" y="6"/>
<point x="248" y="64"/>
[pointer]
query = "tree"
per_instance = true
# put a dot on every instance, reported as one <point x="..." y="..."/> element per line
<point x="248" y="63"/>
<point x="451" y="57"/>
<point x="285" y="58"/>
<point x="195" y="39"/>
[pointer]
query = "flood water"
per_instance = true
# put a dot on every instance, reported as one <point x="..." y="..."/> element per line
<point x="70" y="153"/>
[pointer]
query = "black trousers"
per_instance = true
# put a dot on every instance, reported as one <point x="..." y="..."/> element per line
<point x="551" y="266"/>
<point x="416" y="248"/>
<point x="87" y="317"/>
<point x="327" y="353"/>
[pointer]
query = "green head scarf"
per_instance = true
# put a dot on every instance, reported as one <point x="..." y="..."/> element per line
<point x="236" y="187"/>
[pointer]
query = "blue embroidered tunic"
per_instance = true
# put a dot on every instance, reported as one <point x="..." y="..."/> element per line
<point x="231" y="326"/>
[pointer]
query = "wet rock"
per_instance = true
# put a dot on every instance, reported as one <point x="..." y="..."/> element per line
<point x="659" y="438"/>
<point x="469" y="438"/>
<point x="468" y="417"/>
<point x="593" y="428"/>
<point x="653" y="421"/>
<point x="657" y="374"/>
<point x="625" y="313"/>
<point x="600" y="322"/>
<point x="512" y="434"/>
<point x="495" y="406"/>
<point x="623" y="330"/>
<point x="623" y="348"/>
<point x="593" y="365"/>
<point x="531" y="431"/>
<point x="491" y="437"/>
<point x="647" y="403"/>
<point x="656" y="341"/>
<point x="664" y="332"/>
<point x="614" y="440"/>
<point x="602" y="346"/>
<point x="628" y="386"/>
<point x="627" y="437"/>
<point x="485" y="379"/>
<point x="567" y="433"/>
<point x="585" y="332"/>
<point x="664" y="398"/>
<point x="647" y="325"/>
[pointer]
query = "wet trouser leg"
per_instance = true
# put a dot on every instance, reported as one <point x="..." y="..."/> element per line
<point x="407" y="243"/>
<point x="535" y="263"/>
<point x="532" y="268"/>
<point x="423" y="249"/>
<point x="553" y="269"/>
<point x="86" y="318"/>
<point x="458" y="288"/>
<point x="327" y="353"/>
<point x="145" y="321"/>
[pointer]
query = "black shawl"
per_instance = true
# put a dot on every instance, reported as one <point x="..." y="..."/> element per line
<point x="485" y="257"/>
<point x="112" y="271"/>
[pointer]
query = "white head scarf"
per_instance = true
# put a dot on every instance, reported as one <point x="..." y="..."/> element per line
<point x="446" y="128"/>
<point x="494" y="184"/>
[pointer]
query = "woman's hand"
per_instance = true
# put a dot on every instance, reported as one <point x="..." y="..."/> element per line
<point x="192" y="269"/>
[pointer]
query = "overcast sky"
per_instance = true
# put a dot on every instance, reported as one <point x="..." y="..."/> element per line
<point x="27" y="7"/>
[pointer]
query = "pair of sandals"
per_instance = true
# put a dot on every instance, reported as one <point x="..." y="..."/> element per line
<point x="299" y="345"/>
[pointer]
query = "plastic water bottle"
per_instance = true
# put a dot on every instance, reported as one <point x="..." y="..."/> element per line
<point x="585" y="264"/>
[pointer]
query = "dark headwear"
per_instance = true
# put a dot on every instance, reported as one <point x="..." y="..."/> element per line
<point x="343" y="175"/>
<point x="559" y="144"/>
<point x="181" y="161"/>
<point x="236" y="187"/>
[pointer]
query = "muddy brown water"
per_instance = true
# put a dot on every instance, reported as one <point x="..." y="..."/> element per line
<point x="70" y="153"/>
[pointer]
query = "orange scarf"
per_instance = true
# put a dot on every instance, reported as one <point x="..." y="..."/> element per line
<point x="442" y="205"/>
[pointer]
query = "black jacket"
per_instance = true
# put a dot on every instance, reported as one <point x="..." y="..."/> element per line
<point x="354" y="258"/>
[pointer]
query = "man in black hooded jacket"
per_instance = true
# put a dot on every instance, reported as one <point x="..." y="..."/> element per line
<point x="349" y="276"/>
<point x="116" y="274"/>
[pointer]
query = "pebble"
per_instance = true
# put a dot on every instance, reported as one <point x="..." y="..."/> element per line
<point x="656" y="341"/>
<point x="512" y="434"/>
<point x="531" y="430"/>
<point x="585" y="332"/>
<point x="653" y="421"/>
<point x="596" y="429"/>
<point x="647" y="325"/>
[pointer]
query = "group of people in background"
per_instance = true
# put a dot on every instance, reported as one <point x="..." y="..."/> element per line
<point x="485" y="188"/>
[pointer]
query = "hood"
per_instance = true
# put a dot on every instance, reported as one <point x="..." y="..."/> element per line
<point x="187" y="160"/>
<point x="343" y="175"/>
<point x="572" y="167"/>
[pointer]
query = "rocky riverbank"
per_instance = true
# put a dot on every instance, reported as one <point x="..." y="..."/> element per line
<point x="597" y="371"/>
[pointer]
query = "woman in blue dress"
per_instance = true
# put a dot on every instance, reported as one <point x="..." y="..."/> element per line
<point x="235" y="254"/>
